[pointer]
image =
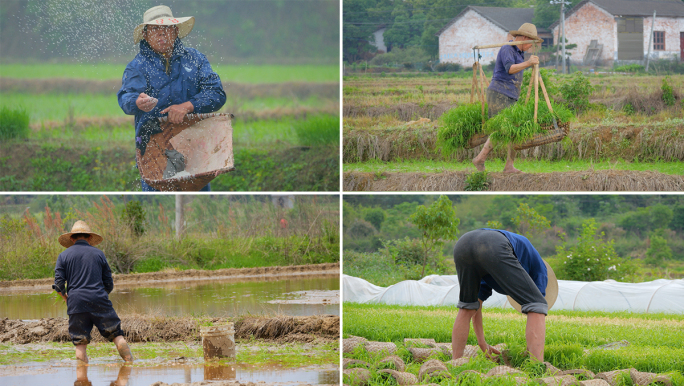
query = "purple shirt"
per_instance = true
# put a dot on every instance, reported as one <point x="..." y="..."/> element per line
<point x="503" y="82"/>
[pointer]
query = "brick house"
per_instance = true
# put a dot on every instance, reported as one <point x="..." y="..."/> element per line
<point x="606" y="31"/>
<point x="482" y="25"/>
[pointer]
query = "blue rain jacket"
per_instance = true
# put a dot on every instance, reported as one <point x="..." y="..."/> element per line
<point x="190" y="78"/>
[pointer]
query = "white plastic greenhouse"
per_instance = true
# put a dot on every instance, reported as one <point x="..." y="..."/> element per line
<point x="655" y="296"/>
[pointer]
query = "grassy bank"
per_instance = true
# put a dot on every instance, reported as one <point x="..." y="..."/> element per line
<point x="221" y="233"/>
<point x="238" y="73"/>
<point x="573" y="339"/>
<point x="528" y="166"/>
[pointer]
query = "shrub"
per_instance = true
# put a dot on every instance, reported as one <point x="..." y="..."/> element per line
<point x="375" y="216"/>
<point x="576" y="91"/>
<point x="361" y="228"/>
<point x="477" y="182"/>
<point x="629" y="68"/>
<point x="668" y="94"/>
<point x="658" y="250"/>
<point x="133" y="214"/>
<point x="398" y="55"/>
<point x="318" y="130"/>
<point x="591" y="259"/>
<point x="14" y="123"/>
<point x="443" y="67"/>
<point x="458" y="125"/>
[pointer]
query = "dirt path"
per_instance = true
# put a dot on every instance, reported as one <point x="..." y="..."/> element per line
<point x="237" y="274"/>
<point x="598" y="180"/>
<point x="150" y="328"/>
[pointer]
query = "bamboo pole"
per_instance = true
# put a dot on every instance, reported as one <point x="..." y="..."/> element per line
<point x="513" y="43"/>
<point x="482" y="93"/>
<point x="536" y="91"/>
<point x="472" y="88"/>
<point x="546" y="96"/>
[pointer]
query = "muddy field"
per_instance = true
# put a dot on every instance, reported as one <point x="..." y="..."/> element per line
<point x="598" y="180"/>
<point x="148" y="328"/>
<point x="260" y="273"/>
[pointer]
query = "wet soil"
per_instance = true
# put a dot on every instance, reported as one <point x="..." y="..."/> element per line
<point x="137" y="328"/>
<point x="149" y="279"/>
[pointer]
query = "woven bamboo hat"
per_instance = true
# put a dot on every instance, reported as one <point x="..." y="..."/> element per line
<point x="528" y="30"/>
<point x="551" y="289"/>
<point x="79" y="227"/>
<point x="161" y="15"/>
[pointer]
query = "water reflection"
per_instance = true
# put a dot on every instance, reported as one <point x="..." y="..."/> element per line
<point x="212" y="298"/>
<point x="60" y="373"/>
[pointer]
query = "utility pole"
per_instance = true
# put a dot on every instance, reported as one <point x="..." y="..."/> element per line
<point x="650" y="41"/>
<point x="562" y="26"/>
<point x="180" y="217"/>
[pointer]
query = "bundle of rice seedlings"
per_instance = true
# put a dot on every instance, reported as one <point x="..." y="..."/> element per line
<point x="515" y="124"/>
<point x="458" y="125"/>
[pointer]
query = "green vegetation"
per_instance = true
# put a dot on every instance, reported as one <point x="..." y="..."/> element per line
<point x="289" y="355"/>
<point x="14" y="123"/>
<point x="477" y="182"/>
<point x="529" y="166"/>
<point x="228" y="233"/>
<point x="459" y="125"/>
<point x="655" y="341"/>
<point x="319" y="130"/>
<point x="252" y="73"/>
<point x="436" y="223"/>
<point x="515" y="124"/>
<point x="625" y="238"/>
<point x="576" y="91"/>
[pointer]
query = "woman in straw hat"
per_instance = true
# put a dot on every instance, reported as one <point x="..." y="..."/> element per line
<point x="166" y="77"/>
<point x="504" y="89"/>
<point x="84" y="280"/>
<point x="506" y="262"/>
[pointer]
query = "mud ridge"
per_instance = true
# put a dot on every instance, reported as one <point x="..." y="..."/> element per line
<point x="146" y="328"/>
<point x="589" y="180"/>
<point x="193" y="274"/>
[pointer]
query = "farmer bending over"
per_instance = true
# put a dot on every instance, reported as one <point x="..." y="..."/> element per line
<point x="84" y="280"/>
<point x="489" y="259"/>
<point x="166" y="77"/>
<point x="504" y="89"/>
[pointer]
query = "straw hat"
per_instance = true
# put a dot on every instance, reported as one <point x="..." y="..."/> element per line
<point x="527" y="29"/>
<point x="79" y="227"/>
<point x="161" y="15"/>
<point x="551" y="289"/>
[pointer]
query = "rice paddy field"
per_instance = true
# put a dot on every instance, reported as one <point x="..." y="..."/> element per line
<point x="390" y="126"/>
<point x="285" y="134"/>
<point x="599" y="342"/>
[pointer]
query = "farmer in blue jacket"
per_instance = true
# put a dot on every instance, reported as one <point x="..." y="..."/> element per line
<point x="166" y="77"/>
<point x="506" y="262"/>
<point x="84" y="280"/>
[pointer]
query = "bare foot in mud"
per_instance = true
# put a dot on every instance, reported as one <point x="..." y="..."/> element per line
<point x="479" y="165"/>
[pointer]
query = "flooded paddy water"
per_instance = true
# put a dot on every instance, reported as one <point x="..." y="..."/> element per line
<point x="289" y="296"/>
<point x="315" y="293"/>
<point x="100" y="373"/>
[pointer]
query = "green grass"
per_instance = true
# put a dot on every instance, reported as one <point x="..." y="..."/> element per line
<point x="319" y="130"/>
<point x="656" y="340"/>
<point x="56" y="107"/>
<point x="527" y="166"/>
<point x="228" y="73"/>
<point x="14" y="123"/>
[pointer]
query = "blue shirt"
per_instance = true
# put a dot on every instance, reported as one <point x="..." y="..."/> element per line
<point x="530" y="260"/>
<point x="502" y="81"/>
<point x="190" y="78"/>
<point x="88" y="278"/>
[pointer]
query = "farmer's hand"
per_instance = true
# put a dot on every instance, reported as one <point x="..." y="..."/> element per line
<point x="177" y="112"/>
<point x="490" y="351"/>
<point x="534" y="59"/>
<point x="64" y="296"/>
<point x="145" y="102"/>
